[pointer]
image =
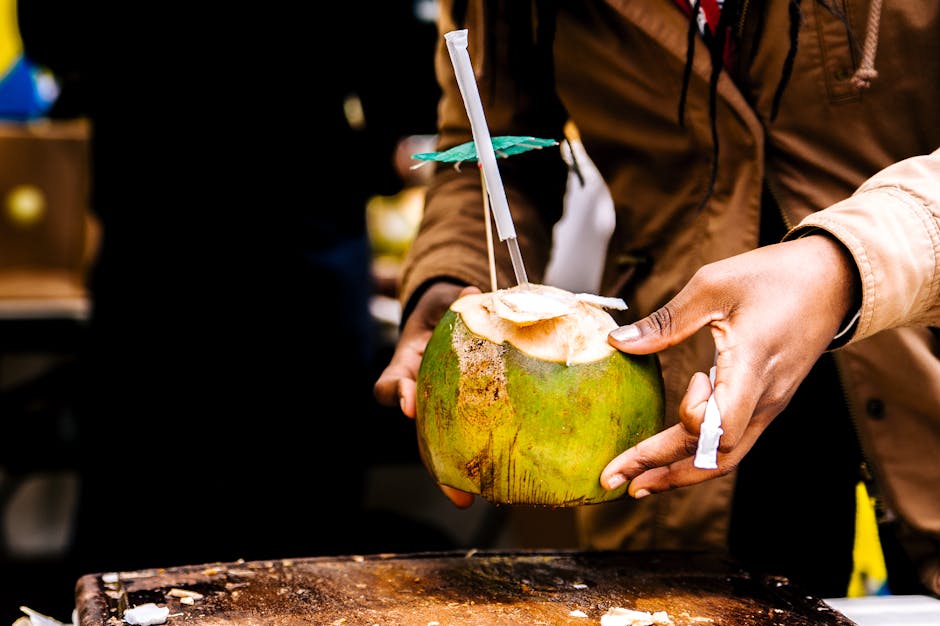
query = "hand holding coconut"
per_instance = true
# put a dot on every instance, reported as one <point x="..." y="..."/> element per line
<point x="396" y="384"/>
<point x="772" y="312"/>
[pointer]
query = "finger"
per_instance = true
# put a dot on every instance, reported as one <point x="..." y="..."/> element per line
<point x="744" y="392"/>
<point x="385" y="388"/>
<point x="661" y="449"/>
<point x="403" y="366"/>
<point x="407" y="397"/>
<point x="683" y="473"/>
<point x="667" y="446"/>
<point x="666" y="461"/>
<point x="461" y="499"/>
<point x="394" y="387"/>
<point x="691" y="309"/>
<point x="693" y="403"/>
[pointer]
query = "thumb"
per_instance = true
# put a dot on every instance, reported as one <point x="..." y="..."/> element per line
<point x="675" y="322"/>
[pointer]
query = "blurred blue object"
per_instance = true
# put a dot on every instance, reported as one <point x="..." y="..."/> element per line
<point x="26" y="91"/>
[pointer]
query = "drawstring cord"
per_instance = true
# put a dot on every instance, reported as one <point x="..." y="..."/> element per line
<point x="866" y="70"/>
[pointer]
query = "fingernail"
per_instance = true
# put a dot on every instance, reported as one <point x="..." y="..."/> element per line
<point x="641" y="493"/>
<point x="626" y="333"/>
<point x="401" y="403"/>
<point x="615" y="481"/>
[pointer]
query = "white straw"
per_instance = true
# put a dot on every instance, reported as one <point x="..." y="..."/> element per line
<point x="457" y="47"/>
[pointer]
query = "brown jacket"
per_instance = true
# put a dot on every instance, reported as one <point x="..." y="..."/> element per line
<point x="618" y="67"/>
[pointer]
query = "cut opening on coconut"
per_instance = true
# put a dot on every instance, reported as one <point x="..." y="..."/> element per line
<point x="542" y="321"/>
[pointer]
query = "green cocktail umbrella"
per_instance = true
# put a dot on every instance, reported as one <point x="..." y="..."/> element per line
<point x="503" y="146"/>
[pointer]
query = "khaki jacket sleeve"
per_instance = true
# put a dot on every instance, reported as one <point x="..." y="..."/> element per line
<point x="451" y="242"/>
<point x="891" y="226"/>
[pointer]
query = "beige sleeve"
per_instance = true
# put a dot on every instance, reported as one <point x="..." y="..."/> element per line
<point x="891" y="226"/>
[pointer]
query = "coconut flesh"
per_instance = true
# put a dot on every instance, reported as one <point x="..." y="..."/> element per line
<point x="522" y="400"/>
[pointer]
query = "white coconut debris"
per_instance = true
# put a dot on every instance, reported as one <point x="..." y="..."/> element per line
<point x="146" y="615"/>
<point x="577" y="613"/>
<point x="184" y="594"/>
<point x="618" y="616"/>
<point x="36" y="619"/>
<point x="602" y="301"/>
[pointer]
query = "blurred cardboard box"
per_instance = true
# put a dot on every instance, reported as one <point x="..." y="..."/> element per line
<point x="47" y="233"/>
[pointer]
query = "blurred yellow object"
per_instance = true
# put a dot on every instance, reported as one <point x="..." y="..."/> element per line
<point x="869" y="573"/>
<point x="48" y="235"/>
<point x="392" y="221"/>
<point x="11" y="44"/>
<point x="25" y="205"/>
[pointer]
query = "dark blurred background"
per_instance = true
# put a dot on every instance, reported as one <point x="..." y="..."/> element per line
<point x="203" y="392"/>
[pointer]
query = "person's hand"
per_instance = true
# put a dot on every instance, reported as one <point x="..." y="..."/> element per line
<point x="397" y="382"/>
<point x="772" y="312"/>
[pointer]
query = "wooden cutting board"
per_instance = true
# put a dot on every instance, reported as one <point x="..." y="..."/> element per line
<point x="457" y="589"/>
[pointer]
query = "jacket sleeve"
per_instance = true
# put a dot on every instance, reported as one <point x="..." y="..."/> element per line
<point x="891" y="226"/>
<point x="514" y="78"/>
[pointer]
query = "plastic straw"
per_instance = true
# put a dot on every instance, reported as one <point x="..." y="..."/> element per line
<point x="460" y="58"/>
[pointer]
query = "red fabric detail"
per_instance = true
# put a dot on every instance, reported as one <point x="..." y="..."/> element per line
<point x="712" y="13"/>
<point x="712" y="16"/>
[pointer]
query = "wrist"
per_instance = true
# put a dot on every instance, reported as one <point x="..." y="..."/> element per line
<point x="847" y="283"/>
<point x="442" y="289"/>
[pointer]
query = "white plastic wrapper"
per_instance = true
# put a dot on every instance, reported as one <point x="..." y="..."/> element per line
<point x="706" y="455"/>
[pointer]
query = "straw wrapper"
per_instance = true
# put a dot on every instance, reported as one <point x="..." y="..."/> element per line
<point x="706" y="456"/>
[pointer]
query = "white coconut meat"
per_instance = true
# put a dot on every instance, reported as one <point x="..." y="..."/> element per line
<point x="146" y="615"/>
<point x="545" y="322"/>
<point x="618" y="616"/>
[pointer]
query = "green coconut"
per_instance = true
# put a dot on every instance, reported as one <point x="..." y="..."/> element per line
<point x="521" y="400"/>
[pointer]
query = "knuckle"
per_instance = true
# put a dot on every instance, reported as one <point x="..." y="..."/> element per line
<point x="773" y="403"/>
<point x="690" y="446"/>
<point x="662" y="320"/>
<point x="727" y="465"/>
<point x="674" y="483"/>
<point x="710" y="276"/>
<point x="727" y="446"/>
<point x="730" y="438"/>
<point x="645" y="458"/>
<point x="642" y="459"/>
